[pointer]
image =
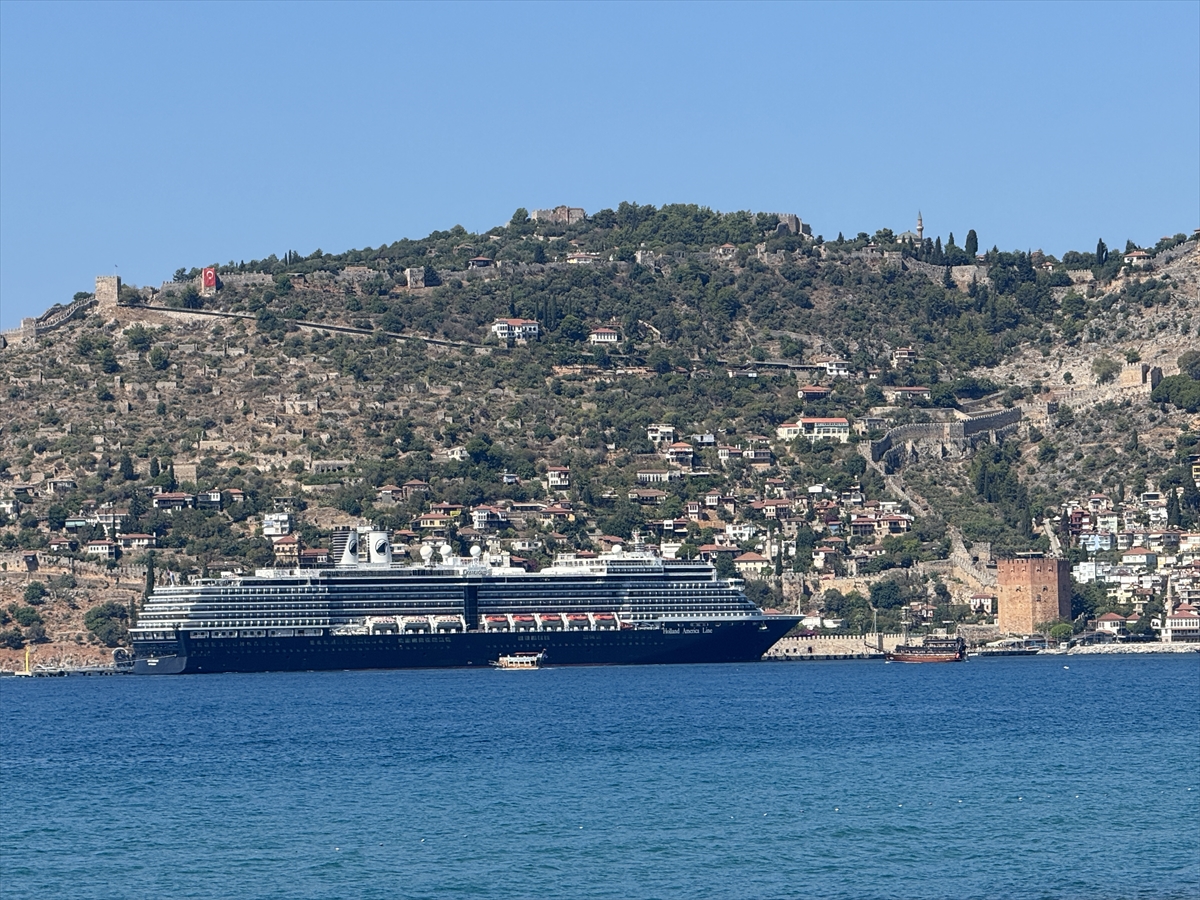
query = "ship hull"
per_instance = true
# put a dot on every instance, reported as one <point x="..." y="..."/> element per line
<point x="700" y="642"/>
<point x="924" y="658"/>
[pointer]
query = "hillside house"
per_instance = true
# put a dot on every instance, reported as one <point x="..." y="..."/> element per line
<point x="899" y="394"/>
<point x="62" y="545"/>
<point x="584" y="259"/>
<point x="101" y="549"/>
<point x="59" y="486"/>
<point x="276" y="524"/>
<point x="558" y="478"/>
<point x="680" y="453"/>
<point x="759" y="457"/>
<point x="903" y="356"/>
<point x="414" y="488"/>
<point x="789" y="431"/>
<point x="1139" y="556"/>
<point x="209" y="500"/>
<point x="604" y="336"/>
<point x="287" y="550"/>
<point x="752" y="565"/>
<point x="515" y="329"/>
<point x="647" y="496"/>
<point x="1181" y="626"/>
<point x="827" y="429"/>
<point x="479" y="262"/>
<point x="727" y="453"/>
<point x="658" y="433"/>
<point x="813" y="392"/>
<point x="488" y="518"/>
<point x="435" y="522"/>
<point x="314" y="558"/>
<point x="837" y="368"/>
<point x="136" y="541"/>
<point x="173" y="500"/>
<point x="655" y="476"/>
<point x="555" y="514"/>
<point x="388" y="495"/>
<point x="1137" y="259"/>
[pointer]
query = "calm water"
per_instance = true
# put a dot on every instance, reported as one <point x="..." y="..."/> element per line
<point x="997" y="778"/>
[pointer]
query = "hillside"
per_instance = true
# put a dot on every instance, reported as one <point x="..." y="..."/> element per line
<point x="327" y="391"/>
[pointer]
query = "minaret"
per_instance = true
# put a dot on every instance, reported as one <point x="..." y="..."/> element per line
<point x="920" y="228"/>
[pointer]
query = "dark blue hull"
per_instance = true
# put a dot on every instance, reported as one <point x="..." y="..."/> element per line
<point x="707" y="642"/>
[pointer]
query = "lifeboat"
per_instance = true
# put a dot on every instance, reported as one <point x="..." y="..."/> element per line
<point x="448" y="623"/>
<point x="579" y="620"/>
<point x="551" y="620"/>
<point x="416" y="623"/>
<point x="524" y="621"/>
<point x="605" y="620"/>
<point x="496" y="623"/>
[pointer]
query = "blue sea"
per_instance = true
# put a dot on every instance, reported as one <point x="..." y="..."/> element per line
<point x="1046" y="777"/>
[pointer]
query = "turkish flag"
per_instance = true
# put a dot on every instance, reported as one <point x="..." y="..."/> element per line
<point x="210" y="277"/>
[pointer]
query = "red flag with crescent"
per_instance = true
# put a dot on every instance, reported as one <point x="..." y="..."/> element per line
<point x="210" y="277"/>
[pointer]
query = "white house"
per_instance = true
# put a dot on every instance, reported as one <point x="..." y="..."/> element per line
<point x="276" y="524"/>
<point x="837" y="368"/>
<point x="103" y="549"/>
<point x="658" y="433"/>
<point x="558" y="478"/>
<point x="833" y="429"/>
<point x="515" y="329"/>
<point x="603" y="336"/>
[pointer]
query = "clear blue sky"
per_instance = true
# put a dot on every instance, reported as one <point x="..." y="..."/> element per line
<point x="153" y="136"/>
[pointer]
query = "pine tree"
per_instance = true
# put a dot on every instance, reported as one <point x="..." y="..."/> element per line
<point x="972" y="244"/>
<point x="154" y="467"/>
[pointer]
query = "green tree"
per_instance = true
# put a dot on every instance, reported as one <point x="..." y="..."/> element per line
<point x="159" y="359"/>
<point x="1189" y="364"/>
<point x="1101" y="252"/>
<point x="35" y="591"/>
<point x="1105" y="368"/>
<point x="107" y="622"/>
<point x="971" y="245"/>
<point x="126" y="467"/>
<point x="56" y="517"/>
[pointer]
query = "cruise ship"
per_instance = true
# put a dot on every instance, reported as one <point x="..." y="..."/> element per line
<point x="369" y="611"/>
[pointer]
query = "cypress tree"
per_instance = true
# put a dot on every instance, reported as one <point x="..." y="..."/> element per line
<point x="972" y="243"/>
<point x="154" y="467"/>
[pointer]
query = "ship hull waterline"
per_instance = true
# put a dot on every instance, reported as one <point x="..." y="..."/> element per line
<point x="699" y="642"/>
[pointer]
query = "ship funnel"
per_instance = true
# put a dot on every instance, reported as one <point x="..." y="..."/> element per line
<point x="349" y="555"/>
<point x="380" y="548"/>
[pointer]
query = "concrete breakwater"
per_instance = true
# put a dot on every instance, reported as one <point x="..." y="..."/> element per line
<point x="833" y="646"/>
